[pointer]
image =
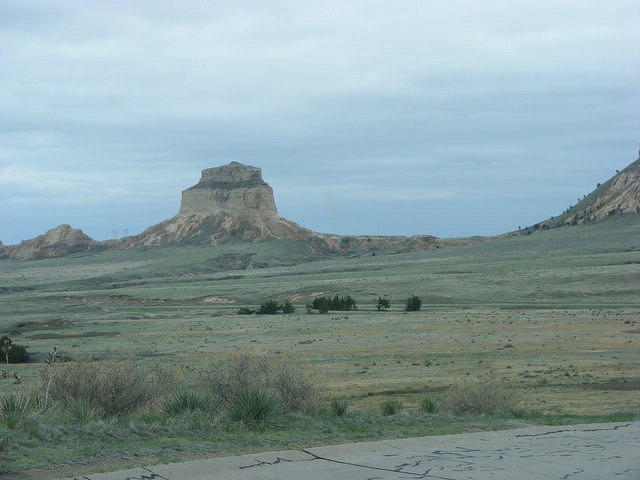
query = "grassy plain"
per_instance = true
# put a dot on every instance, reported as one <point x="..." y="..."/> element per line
<point x="554" y="313"/>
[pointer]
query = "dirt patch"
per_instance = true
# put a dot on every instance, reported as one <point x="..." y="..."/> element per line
<point x="217" y="300"/>
<point x="51" y="336"/>
<point x="301" y="295"/>
<point x="617" y="385"/>
<point x="53" y="323"/>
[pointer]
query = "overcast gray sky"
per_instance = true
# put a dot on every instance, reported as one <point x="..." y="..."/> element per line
<point x="451" y="118"/>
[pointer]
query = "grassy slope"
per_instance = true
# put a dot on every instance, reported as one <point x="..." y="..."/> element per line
<point x="589" y="264"/>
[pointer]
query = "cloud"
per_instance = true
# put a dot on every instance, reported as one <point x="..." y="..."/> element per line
<point x="116" y="106"/>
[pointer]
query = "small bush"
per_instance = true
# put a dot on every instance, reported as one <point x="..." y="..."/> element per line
<point x="429" y="405"/>
<point x="269" y="307"/>
<point x="287" y="307"/>
<point x="296" y="391"/>
<point x="390" y="407"/>
<point x="188" y="401"/>
<point x="338" y="407"/>
<point x="482" y="397"/>
<point x="15" y="407"/>
<point x="255" y="407"/>
<point x="413" y="304"/>
<point x="246" y="311"/>
<point x="114" y="387"/>
<point x="82" y="410"/>
<point x="12" y="352"/>
<point x="254" y="372"/>
<point x="239" y="373"/>
<point x="383" y="304"/>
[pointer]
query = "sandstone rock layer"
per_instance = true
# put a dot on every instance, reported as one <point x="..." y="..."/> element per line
<point x="230" y="188"/>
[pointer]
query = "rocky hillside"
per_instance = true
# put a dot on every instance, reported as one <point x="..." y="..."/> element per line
<point x="231" y="203"/>
<point x="57" y="242"/>
<point x="619" y="195"/>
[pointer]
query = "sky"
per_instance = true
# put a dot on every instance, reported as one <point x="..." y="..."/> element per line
<point x="450" y="118"/>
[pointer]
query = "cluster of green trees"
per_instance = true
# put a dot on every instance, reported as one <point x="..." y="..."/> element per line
<point x="270" y="307"/>
<point x="412" y="304"/>
<point x="337" y="303"/>
<point x="325" y="304"/>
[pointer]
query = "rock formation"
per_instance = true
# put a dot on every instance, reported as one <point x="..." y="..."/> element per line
<point x="234" y="203"/>
<point x="620" y="195"/>
<point x="57" y="242"/>
<point x="229" y="203"/>
<point x="230" y="188"/>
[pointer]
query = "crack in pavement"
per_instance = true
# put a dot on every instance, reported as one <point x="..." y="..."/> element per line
<point x="573" y="430"/>
<point x="391" y="470"/>
<point x="152" y="476"/>
<point x="278" y="460"/>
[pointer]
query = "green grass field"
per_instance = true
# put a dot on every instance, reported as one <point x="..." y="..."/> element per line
<point x="554" y="314"/>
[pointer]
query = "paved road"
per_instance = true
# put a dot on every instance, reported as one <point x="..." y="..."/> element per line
<point x="577" y="452"/>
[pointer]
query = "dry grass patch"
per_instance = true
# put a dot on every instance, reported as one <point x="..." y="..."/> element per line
<point x="113" y="387"/>
<point x="482" y="397"/>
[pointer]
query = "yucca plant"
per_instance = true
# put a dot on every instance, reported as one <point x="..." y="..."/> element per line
<point x="338" y="407"/>
<point x="82" y="410"/>
<point x="390" y="407"/>
<point x="255" y="407"/>
<point x="429" y="405"/>
<point x="15" y="407"/>
<point x="188" y="401"/>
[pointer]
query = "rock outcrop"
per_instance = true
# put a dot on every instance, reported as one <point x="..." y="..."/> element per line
<point x="620" y="195"/>
<point x="230" y="188"/>
<point x="57" y="242"/>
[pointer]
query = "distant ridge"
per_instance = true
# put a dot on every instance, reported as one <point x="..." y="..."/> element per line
<point x="231" y="203"/>
<point x="57" y="242"/>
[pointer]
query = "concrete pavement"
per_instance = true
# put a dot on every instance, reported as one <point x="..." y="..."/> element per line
<point x="574" y="452"/>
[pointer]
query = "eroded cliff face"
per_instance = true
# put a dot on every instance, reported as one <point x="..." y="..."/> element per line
<point x="620" y="195"/>
<point x="231" y="188"/>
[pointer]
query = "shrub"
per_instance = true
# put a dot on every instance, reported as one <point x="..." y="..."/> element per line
<point x="390" y="407"/>
<point x="429" y="405"/>
<point x="242" y="373"/>
<point x="339" y="408"/>
<point x="12" y="352"/>
<point x="287" y="307"/>
<point x="82" y="410"/>
<point x="246" y="311"/>
<point x="481" y="397"/>
<point x="114" y="387"/>
<point x="269" y="307"/>
<point x="383" y="304"/>
<point x="188" y="401"/>
<point x="413" y="304"/>
<point x="255" y="407"/>
<point x="15" y="407"/>
<point x="293" y="384"/>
